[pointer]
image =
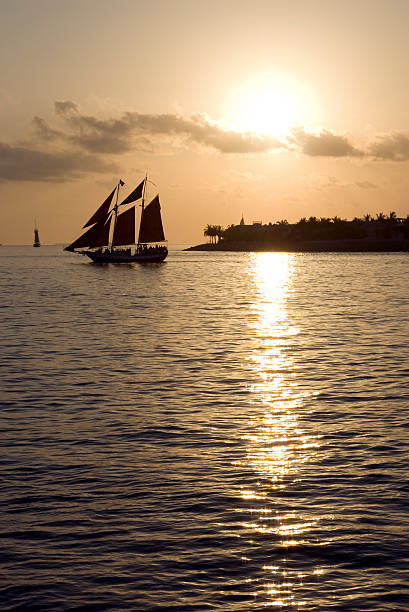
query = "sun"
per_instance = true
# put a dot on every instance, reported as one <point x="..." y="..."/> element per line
<point x="269" y="104"/>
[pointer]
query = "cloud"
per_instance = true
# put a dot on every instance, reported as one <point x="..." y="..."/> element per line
<point x="132" y="129"/>
<point x="81" y="143"/>
<point x="324" y="144"/>
<point x="389" y="147"/>
<point x="44" y="131"/>
<point x="393" y="147"/>
<point x="366" y="185"/>
<point x="201" y="131"/>
<point x="18" y="163"/>
<point x="65" y="107"/>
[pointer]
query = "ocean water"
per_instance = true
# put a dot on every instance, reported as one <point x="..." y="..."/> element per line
<point x="222" y="431"/>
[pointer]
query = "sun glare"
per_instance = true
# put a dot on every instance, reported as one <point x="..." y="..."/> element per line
<point x="269" y="104"/>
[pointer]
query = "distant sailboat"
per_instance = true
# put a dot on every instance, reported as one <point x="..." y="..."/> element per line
<point x="110" y="232"/>
<point x="36" y="242"/>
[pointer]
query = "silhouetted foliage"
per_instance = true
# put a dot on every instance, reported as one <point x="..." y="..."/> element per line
<point x="213" y="231"/>
<point x="324" y="228"/>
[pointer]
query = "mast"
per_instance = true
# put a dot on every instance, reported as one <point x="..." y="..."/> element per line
<point x="115" y="214"/>
<point x="143" y="206"/>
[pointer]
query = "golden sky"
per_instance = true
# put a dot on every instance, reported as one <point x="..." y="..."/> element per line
<point x="271" y="108"/>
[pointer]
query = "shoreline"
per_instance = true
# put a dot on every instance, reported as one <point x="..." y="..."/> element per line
<point x="363" y="245"/>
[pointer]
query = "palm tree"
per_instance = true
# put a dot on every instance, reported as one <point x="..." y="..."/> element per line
<point x="219" y="232"/>
<point x="210" y="230"/>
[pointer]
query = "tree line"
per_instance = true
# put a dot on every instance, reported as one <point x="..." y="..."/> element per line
<point x="381" y="225"/>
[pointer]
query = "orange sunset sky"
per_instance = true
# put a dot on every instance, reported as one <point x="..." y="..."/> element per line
<point x="271" y="108"/>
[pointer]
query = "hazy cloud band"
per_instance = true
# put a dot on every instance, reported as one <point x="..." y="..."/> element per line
<point x="25" y="164"/>
<point x="83" y="143"/>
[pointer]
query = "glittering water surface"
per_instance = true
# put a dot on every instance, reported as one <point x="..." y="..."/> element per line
<point x="222" y="431"/>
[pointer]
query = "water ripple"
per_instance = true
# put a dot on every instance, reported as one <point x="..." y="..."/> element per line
<point x="225" y="431"/>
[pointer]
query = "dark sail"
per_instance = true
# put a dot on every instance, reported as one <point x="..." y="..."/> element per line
<point x="101" y="214"/>
<point x="135" y="195"/>
<point x="125" y="228"/>
<point x="151" y="229"/>
<point x="96" y="236"/>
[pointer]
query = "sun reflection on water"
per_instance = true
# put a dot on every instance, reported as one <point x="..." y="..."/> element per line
<point x="277" y="445"/>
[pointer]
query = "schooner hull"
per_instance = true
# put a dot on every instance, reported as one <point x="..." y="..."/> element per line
<point x="125" y="258"/>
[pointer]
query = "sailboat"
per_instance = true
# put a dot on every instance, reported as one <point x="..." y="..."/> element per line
<point x="111" y="237"/>
<point x="36" y="242"/>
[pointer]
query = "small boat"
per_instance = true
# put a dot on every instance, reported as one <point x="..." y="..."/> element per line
<point x="112" y="236"/>
<point x="36" y="242"/>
